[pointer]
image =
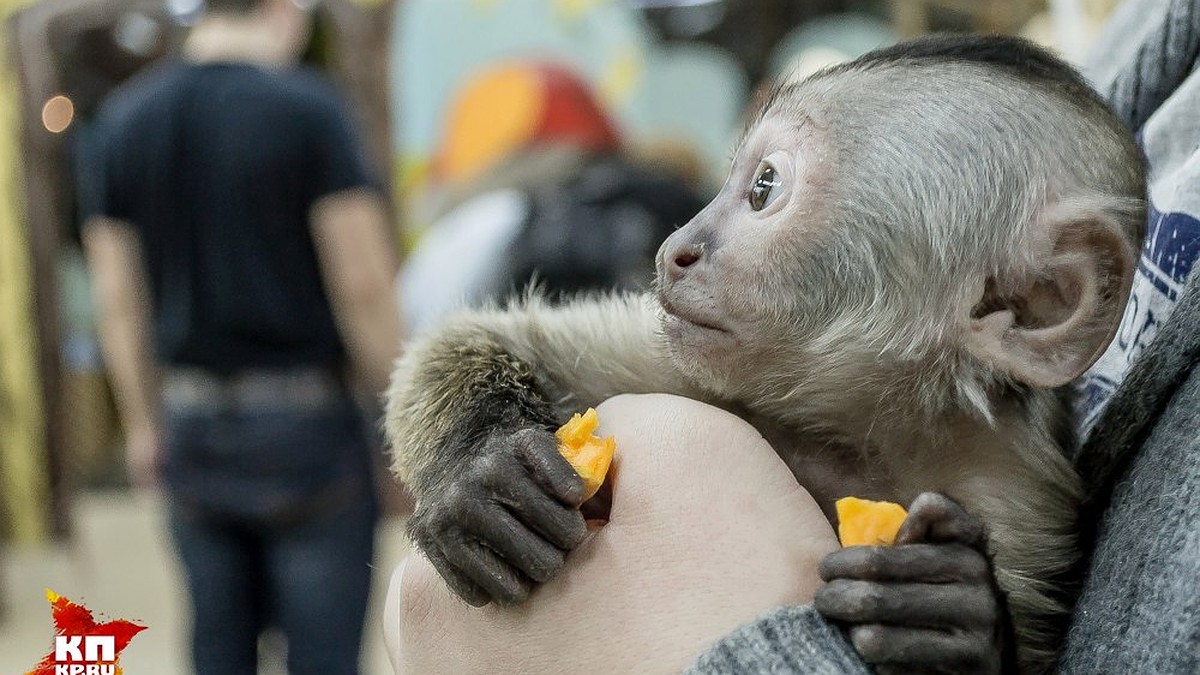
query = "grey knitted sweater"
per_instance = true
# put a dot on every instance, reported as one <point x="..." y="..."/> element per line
<point x="1139" y="610"/>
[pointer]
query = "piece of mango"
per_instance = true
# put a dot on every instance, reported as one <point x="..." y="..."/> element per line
<point x="589" y="454"/>
<point x="862" y="522"/>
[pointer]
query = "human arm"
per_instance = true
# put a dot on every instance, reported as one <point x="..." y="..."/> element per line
<point x="358" y="264"/>
<point x="675" y="568"/>
<point x="119" y="285"/>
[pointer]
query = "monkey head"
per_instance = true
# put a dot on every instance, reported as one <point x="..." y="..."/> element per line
<point x="924" y="228"/>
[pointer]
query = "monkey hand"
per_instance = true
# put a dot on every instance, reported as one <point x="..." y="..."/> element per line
<point x="503" y="520"/>
<point x="927" y="604"/>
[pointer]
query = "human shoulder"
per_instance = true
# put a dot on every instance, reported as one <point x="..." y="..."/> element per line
<point x="311" y="90"/>
<point x="145" y="90"/>
<point x="316" y="108"/>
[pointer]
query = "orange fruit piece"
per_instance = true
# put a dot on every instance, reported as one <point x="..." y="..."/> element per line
<point x="862" y="522"/>
<point x="589" y="454"/>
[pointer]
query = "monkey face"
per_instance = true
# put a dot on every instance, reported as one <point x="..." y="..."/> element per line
<point x="842" y="257"/>
<point x="737" y="280"/>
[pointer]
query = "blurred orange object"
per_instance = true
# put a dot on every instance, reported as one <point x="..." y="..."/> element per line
<point x="512" y="106"/>
<point x="862" y="522"/>
<point x="588" y="454"/>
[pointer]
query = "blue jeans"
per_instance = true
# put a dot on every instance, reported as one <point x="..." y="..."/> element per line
<point x="273" y="516"/>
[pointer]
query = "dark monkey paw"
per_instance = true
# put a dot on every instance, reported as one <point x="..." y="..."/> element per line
<point x="929" y="604"/>
<point x="504" y="519"/>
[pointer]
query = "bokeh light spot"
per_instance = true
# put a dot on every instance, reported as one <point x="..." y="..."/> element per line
<point x="57" y="114"/>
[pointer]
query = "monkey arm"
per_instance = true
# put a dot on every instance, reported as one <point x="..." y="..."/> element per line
<point x="529" y="365"/>
<point x="470" y="413"/>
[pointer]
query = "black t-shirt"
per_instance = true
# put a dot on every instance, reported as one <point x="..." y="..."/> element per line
<point x="216" y="166"/>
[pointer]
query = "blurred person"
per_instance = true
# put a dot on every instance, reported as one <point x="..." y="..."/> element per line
<point x="1136" y="610"/>
<point x="537" y="188"/>
<point x="243" y="267"/>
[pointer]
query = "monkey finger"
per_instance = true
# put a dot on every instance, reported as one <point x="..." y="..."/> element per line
<point x="561" y="525"/>
<point x="458" y="582"/>
<point x="487" y="570"/>
<point x="935" y="518"/>
<point x="529" y="553"/>
<point x="538" y="451"/>
<point x="908" y="604"/>
<point x="927" y="563"/>
<point x="907" y="650"/>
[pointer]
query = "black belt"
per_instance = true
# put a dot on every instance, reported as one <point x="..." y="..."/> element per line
<point x="291" y="389"/>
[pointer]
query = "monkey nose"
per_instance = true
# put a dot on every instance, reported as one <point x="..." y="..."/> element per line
<point x="682" y="258"/>
<point x="686" y="258"/>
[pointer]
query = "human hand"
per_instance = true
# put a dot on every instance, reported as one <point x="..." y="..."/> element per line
<point x="708" y="529"/>
<point x="144" y="456"/>
<point x="503" y="521"/>
<point x="927" y="604"/>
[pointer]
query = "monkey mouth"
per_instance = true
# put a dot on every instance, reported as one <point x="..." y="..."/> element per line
<point x="673" y="312"/>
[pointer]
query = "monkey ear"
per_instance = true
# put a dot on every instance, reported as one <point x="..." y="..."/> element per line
<point x="1051" y="331"/>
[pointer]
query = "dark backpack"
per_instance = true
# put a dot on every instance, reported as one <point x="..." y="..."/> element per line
<point x="597" y="230"/>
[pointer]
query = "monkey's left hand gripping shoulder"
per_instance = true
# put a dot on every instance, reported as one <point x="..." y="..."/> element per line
<point x="495" y="509"/>
<point x="927" y="604"/>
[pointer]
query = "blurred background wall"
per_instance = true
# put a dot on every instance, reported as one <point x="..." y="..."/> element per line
<point x="24" y="460"/>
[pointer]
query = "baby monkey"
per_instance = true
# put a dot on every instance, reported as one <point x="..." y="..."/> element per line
<point x="914" y="255"/>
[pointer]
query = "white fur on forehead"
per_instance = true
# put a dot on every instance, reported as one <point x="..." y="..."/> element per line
<point x="963" y="148"/>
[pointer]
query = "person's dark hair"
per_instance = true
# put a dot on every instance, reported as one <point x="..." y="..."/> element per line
<point x="232" y="6"/>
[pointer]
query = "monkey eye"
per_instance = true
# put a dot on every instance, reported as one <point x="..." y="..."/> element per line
<point x="763" y="191"/>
